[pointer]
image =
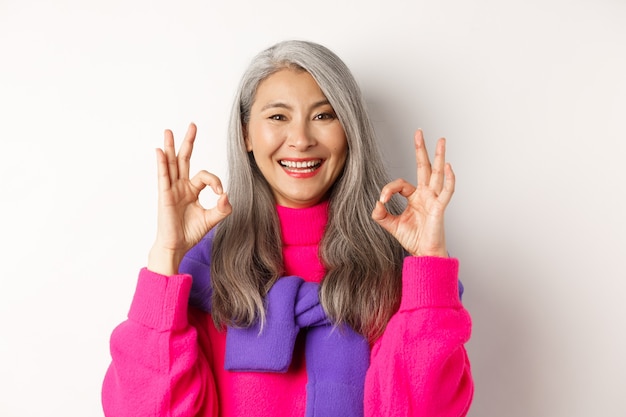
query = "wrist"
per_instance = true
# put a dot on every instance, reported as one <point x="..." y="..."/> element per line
<point x="435" y="253"/>
<point x="431" y="255"/>
<point x="164" y="261"/>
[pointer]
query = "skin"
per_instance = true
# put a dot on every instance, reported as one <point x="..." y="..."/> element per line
<point x="291" y="121"/>
<point x="420" y="228"/>
<point x="182" y="221"/>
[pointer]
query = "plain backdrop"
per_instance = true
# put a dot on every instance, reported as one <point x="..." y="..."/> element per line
<point x="531" y="96"/>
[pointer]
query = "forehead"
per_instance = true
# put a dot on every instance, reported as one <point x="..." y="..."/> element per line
<point x="288" y="85"/>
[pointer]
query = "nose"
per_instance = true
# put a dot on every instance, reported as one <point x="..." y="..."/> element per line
<point x="301" y="136"/>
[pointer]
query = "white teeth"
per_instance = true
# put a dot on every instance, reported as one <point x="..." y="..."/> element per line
<point x="300" y="164"/>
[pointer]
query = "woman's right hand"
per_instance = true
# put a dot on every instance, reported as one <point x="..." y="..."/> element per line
<point x="181" y="220"/>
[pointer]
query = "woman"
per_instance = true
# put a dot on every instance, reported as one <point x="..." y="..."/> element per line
<point x="308" y="289"/>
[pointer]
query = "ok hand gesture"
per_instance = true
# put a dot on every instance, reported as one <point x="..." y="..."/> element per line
<point x="182" y="221"/>
<point x="420" y="228"/>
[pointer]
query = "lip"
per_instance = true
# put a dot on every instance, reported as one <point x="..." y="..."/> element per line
<point x="301" y="167"/>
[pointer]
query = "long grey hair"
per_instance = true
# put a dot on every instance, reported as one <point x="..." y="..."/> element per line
<point x="363" y="262"/>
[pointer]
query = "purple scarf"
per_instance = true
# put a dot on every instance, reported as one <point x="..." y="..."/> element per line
<point x="337" y="357"/>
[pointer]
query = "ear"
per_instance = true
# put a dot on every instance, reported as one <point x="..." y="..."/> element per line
<point x="246" y="139"/>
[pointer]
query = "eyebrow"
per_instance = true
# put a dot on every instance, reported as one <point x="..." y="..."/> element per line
<point x="281" y="105"/>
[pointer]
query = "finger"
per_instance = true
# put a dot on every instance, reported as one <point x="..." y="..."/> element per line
<point x="385" y="219"/>
<point x="400" y="186"/>
<point x="204" y="178"/>
<point x="223" y="206"/>
<point x="437" y="172"/>
<point x="184" y="154"/>
<point x="170" y="154"/>
<point x="218" y="213"/>
<point x="421" y="156"/>
<point x="163" y="176"/>
<point x="449" y="185"/>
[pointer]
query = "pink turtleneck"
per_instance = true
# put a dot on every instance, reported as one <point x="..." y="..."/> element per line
<point x="302" y="230"/>
<point x="167" y="359"/>
<point x="254" y="394"/>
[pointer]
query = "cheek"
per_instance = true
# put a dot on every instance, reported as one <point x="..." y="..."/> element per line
<point x="344" y="158"/>
<point x="263" y="139"/>
<point x="341" y="149"/>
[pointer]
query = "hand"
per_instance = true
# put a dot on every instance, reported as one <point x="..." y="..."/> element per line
<point x="181" y="220"/>
<point x="420" y="228"/>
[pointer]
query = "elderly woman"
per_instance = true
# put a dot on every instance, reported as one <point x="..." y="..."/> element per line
<point x="311" y="288"/>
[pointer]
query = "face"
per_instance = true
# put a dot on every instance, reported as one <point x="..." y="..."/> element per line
<point x="296" y="139"/>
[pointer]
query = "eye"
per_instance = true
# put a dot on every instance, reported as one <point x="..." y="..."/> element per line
<point x="278" y="117"/>
<point x="325" y="116"/>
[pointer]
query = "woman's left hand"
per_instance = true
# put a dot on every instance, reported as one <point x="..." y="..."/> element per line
<point x="420" y="228"/>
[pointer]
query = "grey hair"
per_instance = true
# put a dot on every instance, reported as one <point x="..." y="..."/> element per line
<point x="363" y="262"/>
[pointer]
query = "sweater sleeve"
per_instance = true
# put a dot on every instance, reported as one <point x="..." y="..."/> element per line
<point x="158" y="368"/>
<point x="419" y="367"/>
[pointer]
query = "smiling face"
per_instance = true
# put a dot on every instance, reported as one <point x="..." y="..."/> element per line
<point x="296" y="139"/>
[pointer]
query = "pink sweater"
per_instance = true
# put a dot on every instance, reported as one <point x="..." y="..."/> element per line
<point x="168" y="359"/>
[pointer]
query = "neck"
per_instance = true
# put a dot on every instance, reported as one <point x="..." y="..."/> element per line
<point x="301" y="231"/>
<point x="303" y="226"/>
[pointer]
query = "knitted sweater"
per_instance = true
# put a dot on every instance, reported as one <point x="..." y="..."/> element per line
<point x="168" y="358"/>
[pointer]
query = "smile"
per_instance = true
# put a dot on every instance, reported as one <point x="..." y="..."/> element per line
<point x="301" y="166"/>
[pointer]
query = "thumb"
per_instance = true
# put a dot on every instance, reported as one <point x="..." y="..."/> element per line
<point x="381" y="216"/>
<point x="220" y="211"/>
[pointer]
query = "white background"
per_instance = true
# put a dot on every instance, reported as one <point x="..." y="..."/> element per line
<point x="530" y="94"/>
